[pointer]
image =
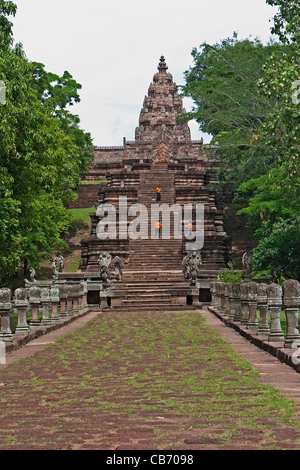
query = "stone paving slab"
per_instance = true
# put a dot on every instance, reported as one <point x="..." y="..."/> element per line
<point x="38" y="340"/>
<point x="272" y="371"/>
<point x="56" y="411"/>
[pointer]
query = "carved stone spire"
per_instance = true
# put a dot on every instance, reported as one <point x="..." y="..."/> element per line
<point x="159" y="116"/>
<point x="162" y="66"/>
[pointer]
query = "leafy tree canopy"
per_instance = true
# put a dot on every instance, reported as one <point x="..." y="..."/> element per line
<point x="228" y="104"/>
<point x="41" y="155"/>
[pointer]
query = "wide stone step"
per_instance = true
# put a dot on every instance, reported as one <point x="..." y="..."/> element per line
<point x="146" y="302"/>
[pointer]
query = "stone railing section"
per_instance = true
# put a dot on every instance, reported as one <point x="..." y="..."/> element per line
<point x="46" y="303"/>
<point x="258" y="307"/>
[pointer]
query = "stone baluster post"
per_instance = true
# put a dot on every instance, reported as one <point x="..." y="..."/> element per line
<point x="227" y="299"/>
<point x="274" y="292"/>
<point x="291" y="305"/>
<point x="236" y="292"/>
<point x="262" y="306"/>
<point x="231" y="302"/>
<point x="80" y="298"/>
<point x="194" y="293"/>
<point x="103" y="300"/>
<point x="76" y="294"/>
<point x="63" y="296"/>
<point x="5" y="310"/>
<point x="252" y="302"/>
<point x="21" y="305"/>
<point x="85" y="292"/>
<point x="222" y="295"/>
<point x="45" y="301"/>
<point x="70" y="300"/>
<point x="218" y="296"/>
<point x="213" y="289"/>
<point x="34" y="300"/>
<point x="54" y="297"/>
<point x="244" y="302"/>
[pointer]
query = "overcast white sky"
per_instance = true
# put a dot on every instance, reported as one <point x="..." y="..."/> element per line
<point x="113" y="48"/>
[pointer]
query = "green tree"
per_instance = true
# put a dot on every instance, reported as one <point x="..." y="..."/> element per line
<point x="40" y="159"/>
<point x="59" y="94"/>
<point x="279" y="248"/>
<point x="228" y="104"/>
<point x="278" y="192"/>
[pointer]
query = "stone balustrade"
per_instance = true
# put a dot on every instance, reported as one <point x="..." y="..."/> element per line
<point x="258" y="307"/>
<point x="45" y="302"/>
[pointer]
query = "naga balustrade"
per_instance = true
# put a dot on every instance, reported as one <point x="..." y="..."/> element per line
<point x="258" y="307"/>
<point x="54" y="301"/>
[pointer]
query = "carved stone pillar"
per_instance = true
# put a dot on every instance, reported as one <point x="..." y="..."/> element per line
<point x="274" y="292"/>
<point x="76" y="294"/>
<point x="291" y="304"/>
<point x="63" y="296"/>
<point x="252" y="302"/>
<point x="236" y="293"/>
<point x="69" y="311"/>
<point x="103" y="300"/>
<point x="5" y="310"/>
<point x="231" y="302"/>
<point x="21" y="305"/>
<point x="54" y="296"/>
<point x="34" y="300"/>
<point x="223" y="298"/>
<point x="45" y="301"/>
<point x="244" y="302"/>
<point x="218" y="296"/>
<point x="262" y="306"/>
<point x="227" y="299"/>
<point x="213" y="292"/>
<point x="85" y="292"/>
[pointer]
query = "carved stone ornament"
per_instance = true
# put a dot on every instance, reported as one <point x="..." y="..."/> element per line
<point x="110" y="268"/>
<point x="191" y="265"/>
<point x="162" y="154"/>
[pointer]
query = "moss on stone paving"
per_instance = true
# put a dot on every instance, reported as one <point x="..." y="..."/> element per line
<point x="142" y="380"/>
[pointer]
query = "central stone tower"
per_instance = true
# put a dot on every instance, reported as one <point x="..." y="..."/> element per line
<point x="162" y="154"/>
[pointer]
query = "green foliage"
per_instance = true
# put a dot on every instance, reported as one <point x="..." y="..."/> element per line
<point x="223" y="84"/>
<point x="286" y="21"/>
<point x="280" y="247"/>
<point x="7" y="8"/>
<point x="248" y="97"/>
<point x="230" y="275"/>
<point x="41" y="156"/>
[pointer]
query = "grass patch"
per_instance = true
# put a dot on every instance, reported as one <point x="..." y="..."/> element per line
<point x="81" y="215"/>
<point x="94" y="182"/>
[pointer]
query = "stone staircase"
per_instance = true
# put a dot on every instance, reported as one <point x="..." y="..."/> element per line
<point x="153" y="277"/>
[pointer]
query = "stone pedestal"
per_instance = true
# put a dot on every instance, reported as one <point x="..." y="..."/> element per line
<point x="244" y="302"/>
<point x="262" y="306"/>
<point x="63" y="296"/>
<point x="54" y="296"/>
<point x="231" y="302"/>
<point x="5" y="310"/>
<point x="34" y="300"/>
<point x="21" y="305"/>
<point x="103" y="300"/>
<point x="252" y="302"/>
<point x="227" y="299"/>
<point x="274" y="292"/>
<point x="236" y="293"/>
<point x="291" y="304"/>
<point x="45" y="301"/>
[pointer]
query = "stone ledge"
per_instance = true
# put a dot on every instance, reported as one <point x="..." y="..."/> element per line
<point x="275" y="349"/>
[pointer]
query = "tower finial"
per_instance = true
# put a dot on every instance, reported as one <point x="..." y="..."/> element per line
<point x="162" y="64"/>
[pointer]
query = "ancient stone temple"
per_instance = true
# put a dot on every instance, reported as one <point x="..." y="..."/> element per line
<point x="162" y="155"/>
